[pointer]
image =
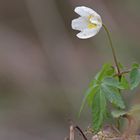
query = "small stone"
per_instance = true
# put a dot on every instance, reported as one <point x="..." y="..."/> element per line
<point x="95" y="137"/>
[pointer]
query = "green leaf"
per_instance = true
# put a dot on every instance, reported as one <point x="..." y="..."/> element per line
<point x="120" y="66"/>
<point x="134" y="77"/>
<point x="124" y="83"/>
<point x="135" y="65"/>
<point x="98" y="110"/>
<point x="107" y="70"/>
<point x="110" y="81"/>
<point x="103" y="87"/>
<point x="118" y="113"/>
<point x="92" y="94"/>
<point x="113" y="95"/>
<point x="93" y="83"/>
<point x="88" y="97"/>
<point x="134" y="111"/>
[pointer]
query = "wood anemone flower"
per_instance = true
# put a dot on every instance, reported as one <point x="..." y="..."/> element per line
<point x="89" y="23"/>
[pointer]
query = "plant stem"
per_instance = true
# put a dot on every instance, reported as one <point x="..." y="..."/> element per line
<point x="122" y="73"/>
<point x="116" y="63"/>
<point x="112" y="48"/>
<point x="71" y="132"/>
<point x="79" y="129"/>
<point x="118" y="123"/>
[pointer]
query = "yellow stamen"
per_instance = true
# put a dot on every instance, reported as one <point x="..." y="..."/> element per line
<point x="89" y="17"/>
<point x="91" y="25"/>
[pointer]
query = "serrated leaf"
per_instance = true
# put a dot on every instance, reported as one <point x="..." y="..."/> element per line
<point x="98" y="110"/>
<point x="93" y="83"/>
<point x="124" y="83"/>
<point x="118" y="113"/>
<point x="135" y="65"/>
<point x="134" y="77"/>
<point x="91" y="97"/>
<point x="110" y="81"/>
<point x="103" y="87"/>
<point x="107" y="70"/>
<point x="113" y="95"/>
<point x="88" y="97"/>
<point x="110" y="71"/>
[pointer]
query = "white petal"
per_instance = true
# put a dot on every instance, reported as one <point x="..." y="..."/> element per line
<point x="79" y="24"/>
<point x="88" y="17"/>
<point x="85" y="11"/>
<point x="88" y="33"/>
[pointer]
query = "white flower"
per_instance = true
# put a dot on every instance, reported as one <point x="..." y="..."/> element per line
<point x="89" y="22"/>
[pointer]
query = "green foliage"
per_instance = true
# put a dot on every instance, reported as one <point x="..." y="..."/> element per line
<point x="113" y="96"/>
<point x="113" y="82"/>
<point x="98" y="110"/>
<point x="118" y="113"/>
<point x="105" y="88"/>
<point x="135" y="65"/>
<point x="134" y="76"/>
<point x="107" y="70"/>
<point x="124" y="82"/>
<point x="134" y="111"/>
<point x="88" y="97"/>
<point x="120" y="66"/>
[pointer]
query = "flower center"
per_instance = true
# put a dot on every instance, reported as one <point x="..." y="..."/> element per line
<point x="90" y="24"/>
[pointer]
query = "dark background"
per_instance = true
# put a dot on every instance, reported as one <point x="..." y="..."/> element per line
<point x="45" y="69"/>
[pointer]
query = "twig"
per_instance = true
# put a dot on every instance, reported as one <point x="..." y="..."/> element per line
<point x="79" y="129"/>
<point x="71" y="132"/>
<point x="122" y="73"/>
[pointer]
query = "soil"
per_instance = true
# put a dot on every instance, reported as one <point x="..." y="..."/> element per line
<point x="108" y="133"/>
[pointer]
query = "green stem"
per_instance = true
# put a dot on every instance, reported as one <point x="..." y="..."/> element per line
<point x="116" y="63"/>
<point x="112" y="48"/>
<point x="118" y="123"/>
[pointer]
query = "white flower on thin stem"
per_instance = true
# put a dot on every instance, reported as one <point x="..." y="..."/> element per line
<point x="89" y="23"/>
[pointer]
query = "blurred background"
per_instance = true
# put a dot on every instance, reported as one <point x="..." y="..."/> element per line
<point x="45" y="69"/>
